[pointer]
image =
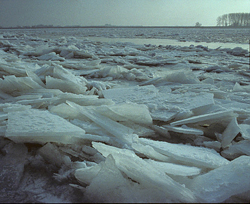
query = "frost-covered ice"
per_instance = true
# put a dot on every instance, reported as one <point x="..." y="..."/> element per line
<point x="117" y="115"/>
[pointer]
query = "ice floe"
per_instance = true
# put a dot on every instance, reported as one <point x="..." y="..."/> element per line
<point x="95" y="120"/>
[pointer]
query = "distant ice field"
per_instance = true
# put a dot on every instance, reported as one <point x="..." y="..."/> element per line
<point x="210" y="37"/>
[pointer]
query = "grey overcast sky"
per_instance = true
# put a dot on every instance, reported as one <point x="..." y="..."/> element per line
<point x="117" y="12"/>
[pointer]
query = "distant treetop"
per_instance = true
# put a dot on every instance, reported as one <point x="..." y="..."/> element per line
<point x="234" y="20"/>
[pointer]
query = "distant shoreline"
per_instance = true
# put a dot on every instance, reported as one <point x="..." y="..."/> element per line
<point x="196" y="27"/>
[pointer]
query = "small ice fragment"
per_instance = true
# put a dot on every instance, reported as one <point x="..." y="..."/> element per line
<point x="230" y="133"/>
<point x="220" y="184"/>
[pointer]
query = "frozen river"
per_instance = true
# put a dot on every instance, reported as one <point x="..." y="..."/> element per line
<point x="124" y="115"/>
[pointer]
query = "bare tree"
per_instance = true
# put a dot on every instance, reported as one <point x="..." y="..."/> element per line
<point x="234" y="19"/>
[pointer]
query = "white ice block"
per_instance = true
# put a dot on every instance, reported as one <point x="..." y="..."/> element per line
<point x="230" y="133"/>
<point x="144" y="173"/>
<point x="220" y="184"/>
<point x="40" y="126"/>
<point x="187" y="154"/>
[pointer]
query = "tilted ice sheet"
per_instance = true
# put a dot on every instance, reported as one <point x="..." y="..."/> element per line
<point x="221" y="183"/>
<point x="187" y="154"/>
<point x="144" y="173"/>
<point x="230" y="133"/>
<point x="175" y="169"/>
<point x="210" y="117"/>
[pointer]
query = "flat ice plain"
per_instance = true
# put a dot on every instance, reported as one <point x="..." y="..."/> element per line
<point x="124" y="115"/>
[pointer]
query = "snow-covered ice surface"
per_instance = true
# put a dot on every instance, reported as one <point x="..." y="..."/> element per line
<point x="124" y="115"/>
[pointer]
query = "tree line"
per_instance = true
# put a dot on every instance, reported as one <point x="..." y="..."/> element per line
<point x="234" y="20"/>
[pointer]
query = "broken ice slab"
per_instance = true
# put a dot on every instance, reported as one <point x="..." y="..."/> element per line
<point x="40" y="127"/>
<point x="184" y="129"/>
<point x="11" y="83"/>
<point x="220" y="184"/>
<point x="242" y="146"/>
<point x="245" y="131"/>
<point x="187" y="154"/>
<point x="174" y="169"/>
<point x="10" y="107"/>
<point x="52" y="154"/>
<point x="86" y="175"/>
<point x="64" y="85"/>
<point x="140" y="130"/>
<point x="127" y="112"/>
<point x="118" y="130"/>
<point x="181" y="76"/>
<point x="230" y="133"/>
<point x="80" y="99"/>
<point x="216" y="145"/>
<point x="51" y="56"/>
<point x="144" y="173"/>
<point x="35" y="77"/>
<point x="149" y="151"/>
<point x="109" y="185"/>
<point x="210" y="117"/>
<point x="162" y="105"/>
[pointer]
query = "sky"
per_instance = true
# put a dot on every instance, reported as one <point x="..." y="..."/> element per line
<point x="117" y="12"/>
